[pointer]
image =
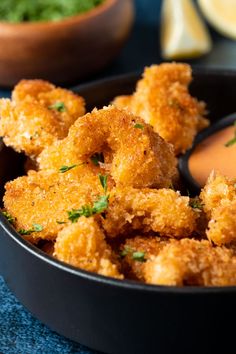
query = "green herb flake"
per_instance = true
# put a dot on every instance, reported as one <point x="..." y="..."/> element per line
<point x="101" y="204"/>
<point x="86" y="210"/>
<point x="195" y="204"/>
<point x="64" y="169"/>
<point x="96" y="158"/>
<point x="60" y="222"/>
<point x="103" y="181"/>
<point x="138" y="126"/>
<point x="9" y="217"/>
<point x="127" y="250"/>
<point x="233" y="140"/>
<point x="230" y="142"/>
<point x="139" y="256"/>
<point x="25" y="232"/>
<point x="35" y="228"/>
<point x="58" y="106"/>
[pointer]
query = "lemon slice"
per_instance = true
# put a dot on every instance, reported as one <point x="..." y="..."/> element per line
<point x="221" y="14"/>
<point x="183" y="33"/>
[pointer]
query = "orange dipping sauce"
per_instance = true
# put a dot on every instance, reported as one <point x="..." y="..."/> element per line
<point x="212" y="154"/>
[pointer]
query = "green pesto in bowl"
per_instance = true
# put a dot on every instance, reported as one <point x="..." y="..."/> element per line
<point x="15" y="11"/>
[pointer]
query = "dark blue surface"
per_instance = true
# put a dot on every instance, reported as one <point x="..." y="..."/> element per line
<point x="19" y="331"/>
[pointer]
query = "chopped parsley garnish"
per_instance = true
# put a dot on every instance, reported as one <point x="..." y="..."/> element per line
<point x="86" y="210"/>
<point x="96" y="158"/>
<point x="60" y="222"/>
<point x="64" y="169"/>
<point x="233" y="140"/>
<point x="125" y="251"/>
<point x="136" y="255"/>
<point x="100" y="204"/>
<point x="9" y="217"/>
<point x="139" y="256"/>
<point x="58" y="106"/>
<point x="138" y="126"/>
<point x="35" y="228"/>
<point x="103" y="181"/>
<point x="196" y="204"/>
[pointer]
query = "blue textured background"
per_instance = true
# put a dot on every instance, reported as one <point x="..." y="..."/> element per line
<point x="19" y="331"/>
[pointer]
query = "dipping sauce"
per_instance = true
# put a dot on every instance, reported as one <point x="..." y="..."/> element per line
<point x="212" y="154"/>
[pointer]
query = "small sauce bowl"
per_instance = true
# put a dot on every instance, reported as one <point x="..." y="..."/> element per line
<point x="184" y="160"/>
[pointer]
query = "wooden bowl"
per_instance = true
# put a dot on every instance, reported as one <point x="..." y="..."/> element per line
<point x="67" y="50"/>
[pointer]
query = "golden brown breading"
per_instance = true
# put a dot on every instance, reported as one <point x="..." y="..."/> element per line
<point x="162" y="99"/>
<point x="140" y="157"/>
<point x="48" y="95"/>
<point x="190" y="262"/>
<point x="28" y="123"/>
<point x="45" y="197"/>
<point x="123" y="102"/>
<point x="83" y="245"/>
<point x="133" y="265"/>
<point x="222" y="226"/>
<point x="219" y="202"/>
<point x="27" y="127"/>
<point x="163" y="211"/>
<point x="217" y="191"/>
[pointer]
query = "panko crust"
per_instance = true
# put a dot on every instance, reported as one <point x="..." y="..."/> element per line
<point x="222" y="225"/>
<point x="148" y="245"/>
<point x="219" y="202"/>
<point x="46" y="94"/>
<point x="218" y="190"/>
<point x="163" y="100"/>
<point x="191" y="262"/>
<point x="139" y="157"/>
<point x="83" y="245"/>
<point x="45" y="197"/>
<point x="123" y="102"/>
<point x="163" y="211"/>
<point x="29" y="124"/>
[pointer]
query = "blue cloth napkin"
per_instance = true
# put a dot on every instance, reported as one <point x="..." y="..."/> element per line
<point x="20" y="332"/>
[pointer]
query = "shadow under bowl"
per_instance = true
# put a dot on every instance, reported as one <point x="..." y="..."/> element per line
<point x="114" y="316"/>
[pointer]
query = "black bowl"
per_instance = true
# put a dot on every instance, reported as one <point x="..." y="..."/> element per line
<point x="113" y="316"/>
<point x="190" y="183"/>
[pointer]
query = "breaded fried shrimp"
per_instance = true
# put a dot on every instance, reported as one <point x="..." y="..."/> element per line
<point x="191" y="262"/>
<point x="38" y="115"/>
<point x="72" y="105"/>
<point x="140" y="157"/>
<point x="44" y="198"/>
<point x="163" y="211"/>
<point x="83" y="245"/>
<point x="163" y="100"/>
<point x="27" y="127"/>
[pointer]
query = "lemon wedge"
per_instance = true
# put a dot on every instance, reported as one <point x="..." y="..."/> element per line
<point x="221" y="14"/>
<point x="183" y="33"/>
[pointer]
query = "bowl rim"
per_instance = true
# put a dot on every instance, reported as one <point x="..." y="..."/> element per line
<point x="106" y="5"/>
<point x="130" y="285"/>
